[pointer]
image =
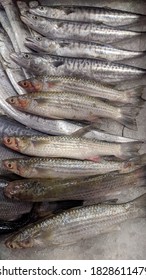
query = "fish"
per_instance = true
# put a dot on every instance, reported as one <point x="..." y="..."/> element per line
<point x="65" y="168"/>
<point x="111" y="186"/>
<point x="6" y="154"/>
<point x="8" y="29"/>
<point x="74" y="225"/>
<point x="82" y="31"/>
<point x="64" y="47"/>
<point x="11" y="210"/>
<point x="12" y="226"/>
<point x="73" y="106"/>
<point x="112" y="17"/>
<point x="70" y="147"/>
<point x="9" y="126"/>
<point x="98" y="70"/>
<point x="81" y="86"/>
<point x="55" y="127"/>
<point x="13" y="71"/>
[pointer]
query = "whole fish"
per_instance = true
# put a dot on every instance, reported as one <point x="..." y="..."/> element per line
<point x="98" y="70"/>
<point x="55" y="127"/>
<point x="79" y="49"/>
<point x="64" y="168"/>
<point x="105" y="15"/>
<point x="70" y="147"/>
<point x="110" y="186"/>
<point x="77" y="224"/>
<point x="10" y="210"/>
<point x="87" y="87"/>
<point x="72" y="106"/>
<point x="91" y="32"/>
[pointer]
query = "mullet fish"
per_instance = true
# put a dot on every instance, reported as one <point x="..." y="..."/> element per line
<point x="72" y="106"/>
<point x="74" y="225"/>
<point x="81" y="86"/>
<point x="70" y="147"/>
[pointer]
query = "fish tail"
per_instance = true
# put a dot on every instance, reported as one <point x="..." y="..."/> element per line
<point x="139" y="206"/>
<point x="130" y="150"/>
<point x="128" y="117"/>
<point x="135" y="96"/>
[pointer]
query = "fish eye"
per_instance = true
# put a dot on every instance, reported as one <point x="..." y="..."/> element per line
<point x="41" y="8"/>
<point x="12" y="100"/>
<point x="38" y="38"/>
<point x="8" y="140"/>
<point x="10" y="165"/>
<point x="25" y="84"/>
<point x="34" y="17"/>
<point x="26" y="55"/>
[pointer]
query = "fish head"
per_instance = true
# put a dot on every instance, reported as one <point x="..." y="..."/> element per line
<point x="19" y="240"/>
<point x="16" y="143"/>
<point x="33" y="21"/>
<point x="19" y="102"/>
<point x="22" y="59"/>
<point x="11" y="165"/>
<point x="40" y="10"/>
<point x="31" y="85"/>
<point x="40" y="43"/>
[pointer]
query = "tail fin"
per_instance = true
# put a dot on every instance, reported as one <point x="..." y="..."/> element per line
<point x="128" y="117"/>
<point x="138" y="206"/>
<point x="134" y="95"/>
<point x="130" y="150"/>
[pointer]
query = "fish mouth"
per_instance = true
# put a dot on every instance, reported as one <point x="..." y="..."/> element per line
<point x="15" y="57"/>
<point x="30" y="42"/>
<point x="27" y="20"/>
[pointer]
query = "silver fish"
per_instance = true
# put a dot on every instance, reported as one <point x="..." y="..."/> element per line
<point x="7" y="27"/>
<point x="77" y="224"/>
<point x="55" y="127"/>
<point x="72" y="106"/>
<point x="97" y="33"/>
<point x="10" y="210"/>
<point x="65" y="168"/>
<point x="98" y="70"/>
<point x="13" y="71"/>
<point x="79" y="49"/>
<point x="70" y="147"/>
<point x="108" y="16"/>
<point x="87" y="87"/>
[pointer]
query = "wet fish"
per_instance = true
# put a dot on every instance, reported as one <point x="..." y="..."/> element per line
<point x="10" y="210"/>
<point x="6" y="153"/>
<point x="87" y="87"/>
<point x="111" y="186"/>
<point x="98" y="70"/>
<point x="70" y="147"/>
<point x="12" y="226"/>
<point x="77" y="224"/>
<point x="105" y="15"/>
<point x="9" y="126"/>
<point x="65" y="168"/>
<point x="55" y="127"/>
<point x="79" y="49"/>
<point x="91" y="32"/>
<point x="7" y="27"/>
<point x="72" y="106"/>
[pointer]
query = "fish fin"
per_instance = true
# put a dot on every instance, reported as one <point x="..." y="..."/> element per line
<point x="139" y="204"/>
<point x="130" y="149"/>
<point x="58" y="63"/>
<point x="111" y="201"/>
<point x="135" y="95"/>
<point x="128" y="116"/>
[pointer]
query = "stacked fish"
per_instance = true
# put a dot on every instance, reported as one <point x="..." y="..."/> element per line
<point x="54" y="155"/>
